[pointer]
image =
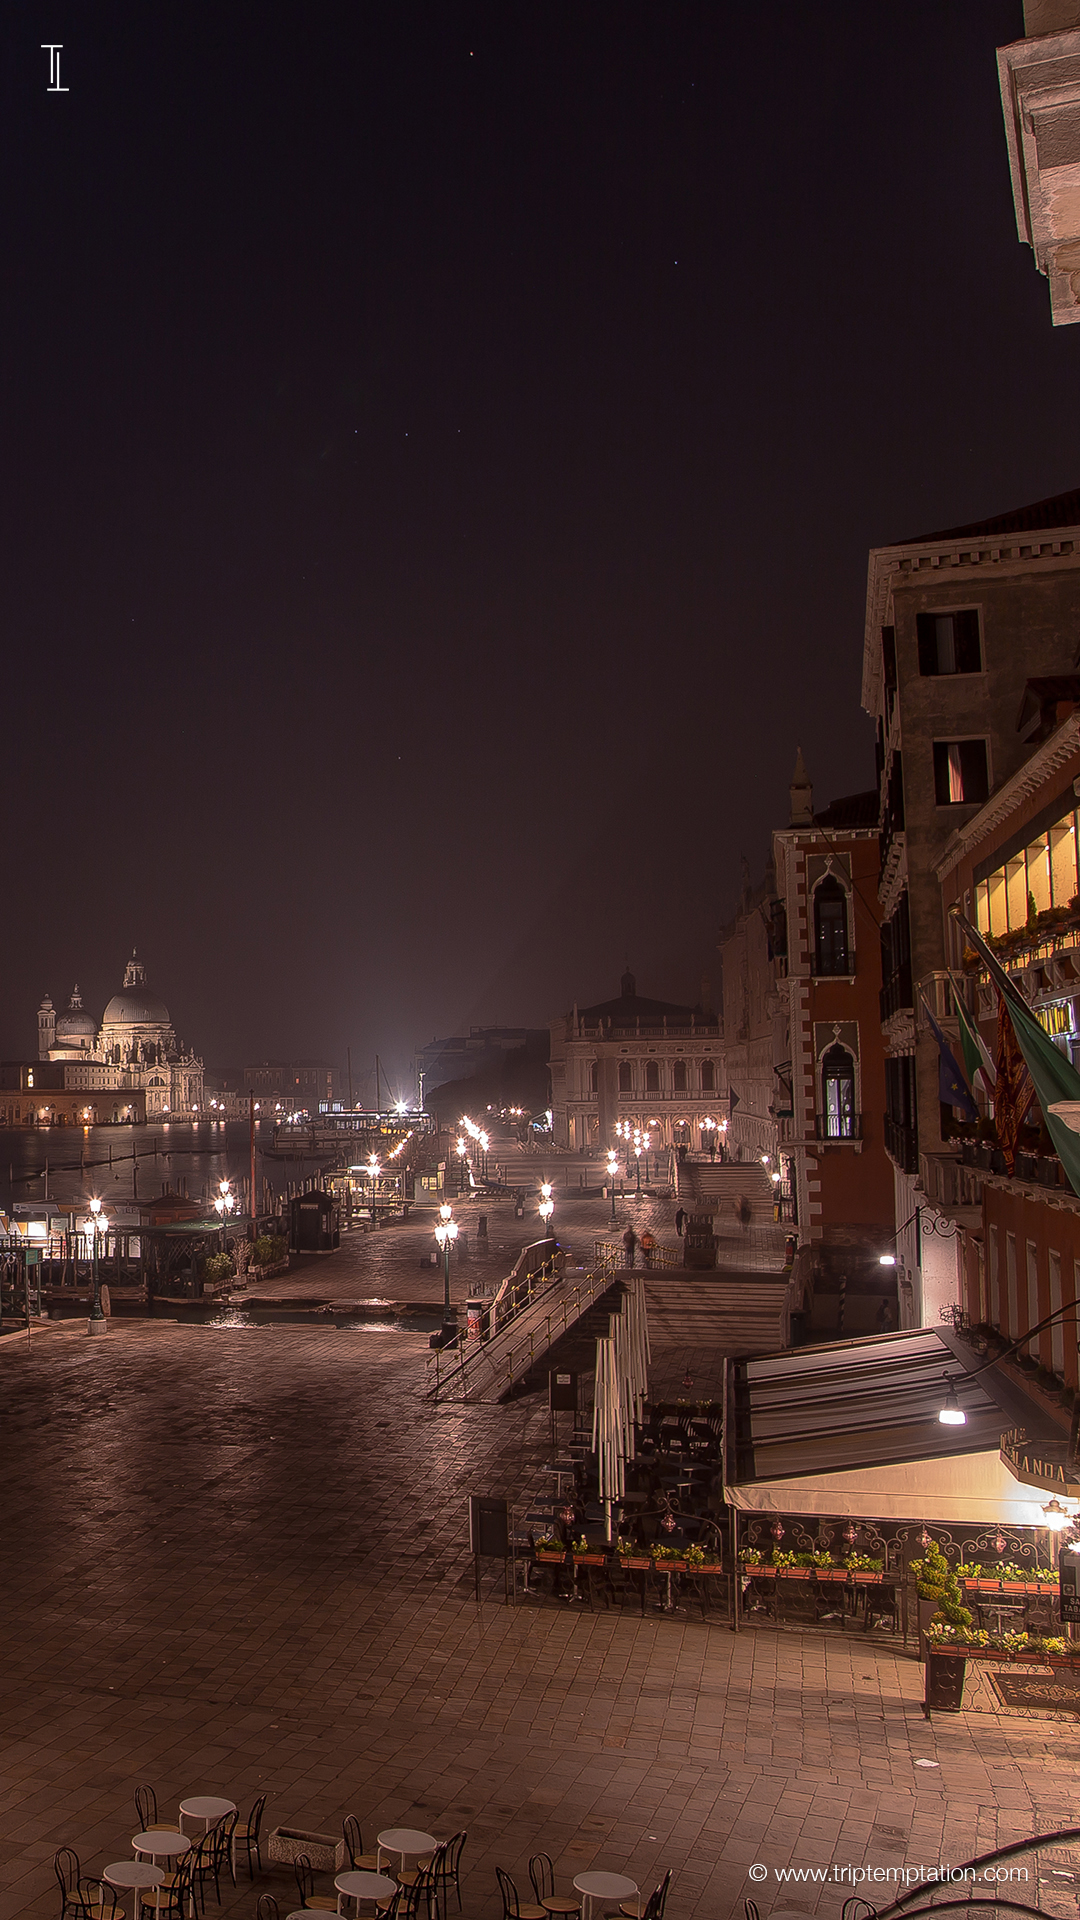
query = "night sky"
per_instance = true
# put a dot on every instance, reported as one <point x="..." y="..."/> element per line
<point x="440" y="450"/>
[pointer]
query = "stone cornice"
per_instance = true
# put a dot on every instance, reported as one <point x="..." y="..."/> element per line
<point x="952" y="559"/>
<point x="1053" y="753"/>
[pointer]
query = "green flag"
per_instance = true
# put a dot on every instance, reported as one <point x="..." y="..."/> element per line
<point x="1053" y="1075"/>
<point x="973" y="1048"/>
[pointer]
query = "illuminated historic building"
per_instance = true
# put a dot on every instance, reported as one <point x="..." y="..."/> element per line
<point x="134" y="1048"/>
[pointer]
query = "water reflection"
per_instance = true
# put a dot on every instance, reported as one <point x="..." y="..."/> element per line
<point x="83" y="1160"/>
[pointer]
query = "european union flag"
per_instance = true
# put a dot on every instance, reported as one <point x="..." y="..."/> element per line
<point x="953" y="1089"/>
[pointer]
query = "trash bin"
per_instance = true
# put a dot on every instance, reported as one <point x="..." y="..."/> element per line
<point x="475" y="1309"/>
<point x="481" y="1227"/>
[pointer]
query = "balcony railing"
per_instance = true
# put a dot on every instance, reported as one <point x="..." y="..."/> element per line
<point x="901" y="1144"/>
<point x="833" y="966"/>
<point x="838" y="1126"/>
<point x="897" y="995"/>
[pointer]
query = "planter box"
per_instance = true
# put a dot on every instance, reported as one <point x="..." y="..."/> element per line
<point x="868" y="1579"/>
<point x="944" y="1682"/>
<point x="637" y="1566"/>
<point x="1014" y="1586"/>
<point x="589" y="1559"/>
<point x="793" y="1573"/>
<point x="327" y="1855"/>
<point x="833" y="1573"/>
<point x="552" y="1559"/>
<point x="984" y="1586"/>
<point x="669" y="1566"/>
<point x="708" y="1566"/>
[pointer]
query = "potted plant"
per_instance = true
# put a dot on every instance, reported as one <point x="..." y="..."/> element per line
<point x="1046" y="1580"/>
<point x="550" y="1548"/>
<point x="630" y="1554"/>
<point x="586" y="1555"/>
<point x="1013" y="1578"/>
<point x="787" y="1566"/>
<point x="668" y="1559"/>
<point x="826" y="1568"/>
<point x="864" y="1567"/>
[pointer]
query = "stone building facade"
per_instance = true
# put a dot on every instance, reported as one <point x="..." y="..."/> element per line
<point x="968" y="633"/>
<point x="134" y="1048"/>
<point x="654" y="1064"/>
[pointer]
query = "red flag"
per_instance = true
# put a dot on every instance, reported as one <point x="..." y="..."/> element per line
<point x="1013" y="1091"/>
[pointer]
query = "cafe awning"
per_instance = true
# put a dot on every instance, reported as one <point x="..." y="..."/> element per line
<point x="851" y="1429"/>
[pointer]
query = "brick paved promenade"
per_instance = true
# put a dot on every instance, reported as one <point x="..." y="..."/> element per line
<point x="235" y="1560"/>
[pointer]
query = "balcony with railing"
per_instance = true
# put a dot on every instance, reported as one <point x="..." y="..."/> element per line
<point x="838" y="1126"/>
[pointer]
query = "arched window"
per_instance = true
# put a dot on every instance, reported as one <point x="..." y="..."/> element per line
<point x="708" y="1077"/>
<point x="652" y="1077"/>
<point x="626" y="1078"/>
<point x="594" y="1076"/>
<point x="678" y="1076"/>
<point x="839" y="1120"/>
<point x="832" y="952"/>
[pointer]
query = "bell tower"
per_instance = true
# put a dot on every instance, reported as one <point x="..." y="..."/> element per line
<point x="46" y="1028"/>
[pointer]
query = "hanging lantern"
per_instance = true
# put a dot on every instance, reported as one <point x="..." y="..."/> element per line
<point x="777" y="1530"/>
<point x="1000" y="1543"/>
<point x="851" y="1533"/>
<point x="686" y="1380"/>
<point x="566" y="1514"/>
<point x="925" y="1539"/>
<point x="668" y="1521"/>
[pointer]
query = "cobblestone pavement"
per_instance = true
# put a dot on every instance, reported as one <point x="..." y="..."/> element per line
<point x="235" y="1560"/>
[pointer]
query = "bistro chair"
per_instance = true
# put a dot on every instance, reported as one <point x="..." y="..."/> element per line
<point x="447" y="1866"/>
<point x="267" y="1908"/>
<point x="542" y="1875"/>
<point x="246" y="1834"/>
<point x="305" y="1886"/>
<point x="205" y="1857"/>
<point x="92" y="1904"/>
<point x="359" y="1861"/>
<point x="513" y="1907"/>
<point x="224" y="1848"/>
<point x="178" y="1894"/>
<point x="653" y="1907"/>
<point x="146" y="1813"/>
<point x="421" y="1894"/>
<point x="76" y="1894"/>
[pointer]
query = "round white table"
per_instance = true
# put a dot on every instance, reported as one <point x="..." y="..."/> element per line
<point x="161" y="1843"/>
<point x="206" y="1808"/>
<point x="377" y="1888"/>
<point x="603" y="1886"/>
<point x="407" y="1841"/>
<point x="125" y="1874"/>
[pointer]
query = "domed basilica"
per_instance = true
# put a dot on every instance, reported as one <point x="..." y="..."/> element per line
<point x="134" y="1047"/>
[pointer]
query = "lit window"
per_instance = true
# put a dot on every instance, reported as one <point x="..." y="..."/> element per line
<point x="838" y="1091"/>
<point x="960" y="772"/>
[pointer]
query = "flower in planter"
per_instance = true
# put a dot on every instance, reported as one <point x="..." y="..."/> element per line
<point x="783" y="1560"/>
<point x="549" y="1544"/>
<point x="750" y="1556"/>
<point x="627" y="1548"/>
<point x="863" y="1563"/>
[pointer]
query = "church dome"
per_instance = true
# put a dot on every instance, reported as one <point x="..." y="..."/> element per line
<point x="134" y="1005"/>
<point x="75" y="1024"/>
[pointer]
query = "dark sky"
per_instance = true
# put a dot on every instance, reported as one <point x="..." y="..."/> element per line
<point x="440" y="449"/>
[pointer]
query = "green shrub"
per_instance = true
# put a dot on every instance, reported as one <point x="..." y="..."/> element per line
<point x="218" y="1267"/>
<point x="269" y="1248"/>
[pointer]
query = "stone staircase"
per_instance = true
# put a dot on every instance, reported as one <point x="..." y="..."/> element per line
<point x="729" y="1313"/>
<point x="708" y="1187"/>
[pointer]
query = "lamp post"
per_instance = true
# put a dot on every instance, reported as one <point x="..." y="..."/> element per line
<point x="99" y="1223"/>
<point x="461" y="1163"/>
<point x="224" y="1205"/>
<point x="446" y="1233"/>
<point x="547" y="1206"/>
<point x="637" y="1166"/>
<point x="373" y="1171"/>
<point x="612" y="1170"/>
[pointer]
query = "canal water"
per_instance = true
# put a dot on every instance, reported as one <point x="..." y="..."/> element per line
<point x="126" y="1164"/>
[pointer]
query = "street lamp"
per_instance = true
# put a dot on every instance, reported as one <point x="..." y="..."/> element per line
<point x="373" y="1171"/>
<point x="952" y="1413"/>
<point x="612" y="1170"/>
<point x="99" y="1223"/>
<point x="547" y="1205"/>
<point x="446" y="1233"/>
<point x="224" y="1205"/>
<point x="637" y="1165"/>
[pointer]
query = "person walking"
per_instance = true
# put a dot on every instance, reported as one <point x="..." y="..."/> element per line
<point x="630" y="1241"/>
<point x="648" y="1247"/>
<point x="680" y="1221"/>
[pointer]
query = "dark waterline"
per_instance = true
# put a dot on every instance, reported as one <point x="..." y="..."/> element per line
<point x="200" y="1154"/>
